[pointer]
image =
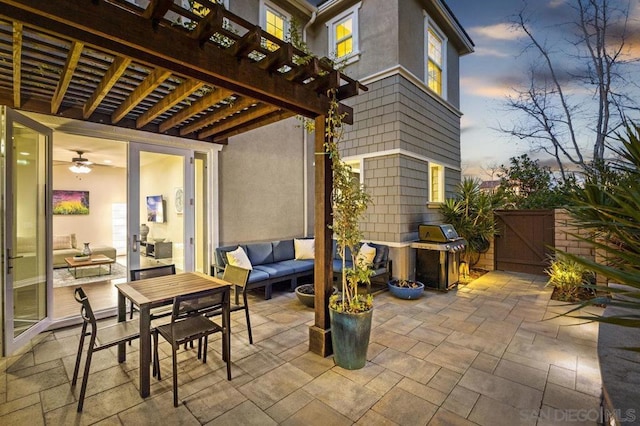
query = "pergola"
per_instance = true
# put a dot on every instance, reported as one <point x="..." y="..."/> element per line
<point x="167" y="70"/>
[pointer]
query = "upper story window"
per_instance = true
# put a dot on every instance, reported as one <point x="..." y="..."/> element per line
<point x="436" y="183"/>
<point x="435" y="54"/>
<point x="343" y="35"/>
<point x="275" y="21"/>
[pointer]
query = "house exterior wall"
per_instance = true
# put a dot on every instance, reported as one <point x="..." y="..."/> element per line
<point x="261" y="185"/>
<point x="399" y="129"/>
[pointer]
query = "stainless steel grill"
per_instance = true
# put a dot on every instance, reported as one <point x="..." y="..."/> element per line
<point x="438" y="256"/>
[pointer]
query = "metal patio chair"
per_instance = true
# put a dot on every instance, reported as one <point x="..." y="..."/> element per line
<point x="188" y="323"/>
<point x="99" y="339"/>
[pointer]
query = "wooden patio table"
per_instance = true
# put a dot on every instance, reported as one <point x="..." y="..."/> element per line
<point x="160" y="291"/>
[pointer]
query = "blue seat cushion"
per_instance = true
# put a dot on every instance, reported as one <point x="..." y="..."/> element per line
<point x="337" y="265"/>
<point x="257" y="275"/>
<point x="283" y="250"/>
<point x="275" y="270"/>
<point x="260" y="253"/>
<point x="303" y="265"/>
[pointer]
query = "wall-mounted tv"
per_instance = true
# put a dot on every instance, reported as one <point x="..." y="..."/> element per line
<point x="155" y="209"/>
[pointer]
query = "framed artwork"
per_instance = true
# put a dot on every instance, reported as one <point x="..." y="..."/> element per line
<point x="70" y="202"/>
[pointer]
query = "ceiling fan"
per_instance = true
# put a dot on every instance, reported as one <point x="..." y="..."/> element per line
<point x="80" y="164"/>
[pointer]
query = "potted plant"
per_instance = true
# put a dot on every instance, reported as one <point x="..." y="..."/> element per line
<point x="350" y="312"/>
<point x="306" y="294"/>
<point x="406" y="289"/>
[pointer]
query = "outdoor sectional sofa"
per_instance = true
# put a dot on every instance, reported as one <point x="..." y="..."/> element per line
<point x="275" y="262"/>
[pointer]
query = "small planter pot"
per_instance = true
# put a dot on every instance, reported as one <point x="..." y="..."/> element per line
<point x="413" y="290"/>
<point x="306" y="294"/>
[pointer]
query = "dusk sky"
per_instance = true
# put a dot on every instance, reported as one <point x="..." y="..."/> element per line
<point x="497" y="66"/>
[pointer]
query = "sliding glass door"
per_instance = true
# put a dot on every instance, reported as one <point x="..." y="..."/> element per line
<point x="27" y="291"/>
<point x="161" y="211"/>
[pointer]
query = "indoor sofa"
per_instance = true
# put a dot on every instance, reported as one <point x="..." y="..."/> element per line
<point x="279" y="261"/>
<point x="67" y="246"/>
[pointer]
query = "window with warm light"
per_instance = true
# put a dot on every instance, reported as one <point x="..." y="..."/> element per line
<point x="436" y="183"/>
<point x="343" y="35"/>
<point x="274" y="21"/>
<point x="435" y="54"/>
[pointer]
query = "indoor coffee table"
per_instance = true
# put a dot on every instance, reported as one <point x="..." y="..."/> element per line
<point x="94" y="260"/>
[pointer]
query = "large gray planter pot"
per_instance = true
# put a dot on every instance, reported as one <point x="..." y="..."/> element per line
<point x="350" y="338"/>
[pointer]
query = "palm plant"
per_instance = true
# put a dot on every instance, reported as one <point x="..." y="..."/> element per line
<point x="471" y="214"/>
<point x="609" y="205"/>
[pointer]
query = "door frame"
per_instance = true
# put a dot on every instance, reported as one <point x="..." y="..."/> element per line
<point x="11" y="344"/>
<point x="133" y="201"/>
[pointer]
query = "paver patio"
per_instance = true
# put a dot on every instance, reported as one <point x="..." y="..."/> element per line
<point x="490" y="353"/>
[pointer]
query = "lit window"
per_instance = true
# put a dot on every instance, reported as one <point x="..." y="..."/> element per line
<point x="343" y="35"/>
<point x="436" y="183"/>
<point x="435" y="54"/>
<point x="275" y="21"/>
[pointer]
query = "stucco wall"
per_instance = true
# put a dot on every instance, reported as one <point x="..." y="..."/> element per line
<point x="262" y="184"/>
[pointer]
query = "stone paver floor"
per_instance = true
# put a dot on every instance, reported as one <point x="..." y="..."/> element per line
<point x="490" y="353"/>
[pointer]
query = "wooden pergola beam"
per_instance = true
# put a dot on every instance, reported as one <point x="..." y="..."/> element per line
<point x="66" y="75"/>
<point x="113" y="74"/>
<point x="201" y="104"/>
<point x="277" y="59"/>
<point x="320" y="331"/>
<point x="176" y="96"/>
<point x="125" y="34"/>
<point x="156" y="10"/>
<point x="231" y="122"/>
<point x="209" y="25"/>
<point x="248" y="43"/>
<point x="258" y="122"/>
<point x="219" y="114"/>
<point x="148" y="85"/>
<point x="17" y="63"/>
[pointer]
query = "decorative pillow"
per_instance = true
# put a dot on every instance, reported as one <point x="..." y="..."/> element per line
<point x="238" y="257"/>
<point x="304" y="248"/>
<point x="366" y="254"/>
<point x="61" y="242"/>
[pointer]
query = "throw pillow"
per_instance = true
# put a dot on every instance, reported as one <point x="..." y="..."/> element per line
<point x="366" y="254"/>
<point x="61" y="242"/>
<point x="304" y="248"/>
<point x="238" y="257"/>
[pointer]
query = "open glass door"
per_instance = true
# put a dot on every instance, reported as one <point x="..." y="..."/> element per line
<point x="161" y="214"/>
<point x="27" y="291"/>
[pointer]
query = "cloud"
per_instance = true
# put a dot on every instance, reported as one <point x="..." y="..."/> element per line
<point x="487" y="51"/>
<point x="502" y="31"/>
<point x="488" y="89"/>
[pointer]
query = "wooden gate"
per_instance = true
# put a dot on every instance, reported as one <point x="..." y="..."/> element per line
<point x="524" y="241"/>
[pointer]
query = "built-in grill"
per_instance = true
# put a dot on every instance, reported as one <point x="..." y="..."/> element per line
<point x="438" y="256"/>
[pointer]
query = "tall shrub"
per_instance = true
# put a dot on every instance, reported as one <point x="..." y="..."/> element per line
<point x="471" y="214"/>
<point x="609" y="204"/>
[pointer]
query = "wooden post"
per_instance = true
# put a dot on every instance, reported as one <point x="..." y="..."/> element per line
<point x="320" y="332"/>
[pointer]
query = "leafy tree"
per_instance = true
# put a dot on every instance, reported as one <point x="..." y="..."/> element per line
<point x="525" y="184"/>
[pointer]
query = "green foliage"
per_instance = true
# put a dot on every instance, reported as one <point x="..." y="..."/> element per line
<point x="568" y="277"/>
<point x="609" y="204"/>
<point x="349" y="202"/>
<point x="525" y="184"/>
<point x="70" y="207"/>
<point x="471" y="214"/>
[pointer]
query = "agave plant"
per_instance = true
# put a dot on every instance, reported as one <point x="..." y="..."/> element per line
<point x="609" y="205"/>
<point x="471" y="214"/>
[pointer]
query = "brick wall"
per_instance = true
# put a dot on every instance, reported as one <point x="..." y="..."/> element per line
<point x="565" y="241"/>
